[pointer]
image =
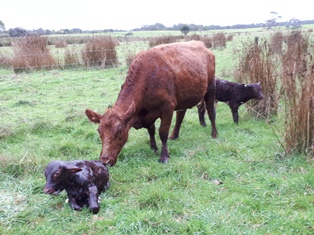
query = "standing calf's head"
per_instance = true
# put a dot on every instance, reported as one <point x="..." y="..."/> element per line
<point x="255" y="91"/>
<point x="57" y="174"/>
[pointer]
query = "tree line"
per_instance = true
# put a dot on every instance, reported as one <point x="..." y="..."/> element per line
<point x="293" y="23"/>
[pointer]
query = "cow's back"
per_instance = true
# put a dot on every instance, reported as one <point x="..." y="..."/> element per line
<point x="177" y="72"/>
<point x="192" y="68"/>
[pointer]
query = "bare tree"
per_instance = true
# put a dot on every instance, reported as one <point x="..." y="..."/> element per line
<point x="272" y="22"/>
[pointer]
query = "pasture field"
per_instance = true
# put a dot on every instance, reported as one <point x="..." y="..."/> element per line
<point x="239" y="183"/>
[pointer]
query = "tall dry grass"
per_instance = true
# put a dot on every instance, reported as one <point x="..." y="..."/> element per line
<point x="298" y="84"/>
<point x="155" y="41"/>
<point x="31" y="53"/>
<point x="256" y="64"/>
<point x="277" y="40"/>
<point x="71" y="57"/>
<point x="100" y="51"/>
<point x="219" y="40"/>
<point x="5" y="59"/>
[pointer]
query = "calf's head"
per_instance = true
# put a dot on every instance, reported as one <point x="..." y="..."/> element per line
<point x="57" y="174"/>
<point x="255" y="90"/>
<point x="113" y="130"/>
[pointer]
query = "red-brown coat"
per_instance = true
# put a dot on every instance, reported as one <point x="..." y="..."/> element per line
<point x="160" y="81"/>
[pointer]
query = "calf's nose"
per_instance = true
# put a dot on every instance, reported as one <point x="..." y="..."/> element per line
<point x="48" y="190"/>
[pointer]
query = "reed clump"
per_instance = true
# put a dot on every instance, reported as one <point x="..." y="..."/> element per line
<point x="32" y="53"/>
<point x="100" y="51"/>
<point x="298" y="84"/>
<point x="256" y="64"/>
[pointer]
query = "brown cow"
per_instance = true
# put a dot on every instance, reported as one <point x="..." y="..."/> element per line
<point x="160" y="80"/>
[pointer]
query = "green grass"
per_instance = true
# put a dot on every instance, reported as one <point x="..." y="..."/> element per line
<point x="42" y="119"/>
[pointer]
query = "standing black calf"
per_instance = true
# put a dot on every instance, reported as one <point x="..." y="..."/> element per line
<point x="82" y="180"/>
<point x="234" y="94"/>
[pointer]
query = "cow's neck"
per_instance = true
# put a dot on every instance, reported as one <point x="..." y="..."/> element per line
<point x="129" y="102"/>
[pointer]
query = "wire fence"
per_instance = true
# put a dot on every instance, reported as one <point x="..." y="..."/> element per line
<point x="33" y="99"/>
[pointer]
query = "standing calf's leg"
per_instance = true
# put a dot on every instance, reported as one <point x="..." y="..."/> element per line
<point x="235" y="114"/>
<point x="179" y="118"/>
<point x="201" y="113"/>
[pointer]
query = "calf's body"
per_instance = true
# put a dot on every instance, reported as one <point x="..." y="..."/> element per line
<point x="234" y="94"/>
<point x="82" y="180"/>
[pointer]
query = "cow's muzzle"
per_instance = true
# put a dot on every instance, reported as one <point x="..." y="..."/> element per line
<point x="108" y="161"/>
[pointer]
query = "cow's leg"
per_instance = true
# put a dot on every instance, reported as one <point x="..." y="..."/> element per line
<point x="165" y="122"/>
<point x="151" y="132"/>
<point x="201" y="113"/>
<point x="235" y="114"/>
<point x="73" y="203"/>
<point x="179" y="118"/>
<point x="93" y="199"/>
<point x="210" y="106"/>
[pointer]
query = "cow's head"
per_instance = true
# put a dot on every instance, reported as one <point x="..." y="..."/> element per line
<point x="113" y="129"/>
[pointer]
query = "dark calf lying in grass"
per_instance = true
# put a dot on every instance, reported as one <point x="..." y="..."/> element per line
<point x="82" y="180"/>
<point x="234" y="94"/>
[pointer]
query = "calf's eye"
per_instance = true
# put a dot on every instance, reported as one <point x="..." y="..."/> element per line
<point x="56" y="174"/>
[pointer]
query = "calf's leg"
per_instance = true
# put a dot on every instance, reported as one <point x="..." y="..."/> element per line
<point x="235" y="114"/>
<point x="73" y="203"/>
<point x="201" y="113"/>
<point x="93" y="199"/>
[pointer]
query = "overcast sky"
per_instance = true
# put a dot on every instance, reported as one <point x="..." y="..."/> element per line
<point x="129" y="14"/>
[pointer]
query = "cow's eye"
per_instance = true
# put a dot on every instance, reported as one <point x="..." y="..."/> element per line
<point x="119" y="131"/>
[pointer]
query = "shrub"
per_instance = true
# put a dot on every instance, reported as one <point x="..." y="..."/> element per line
<point x="71" y="57"/>
<point x="154" y="41"/>
<point x="230" y="38"/>
<point x="297" y="79"/>
<point x="219" y="40"/>
<point x="276" y="42"/>
<point x="208" y="41"/>
<point x="129" y="57"/>
<point x="257" y="65"/>
<point x="61" y="44"/>
<point x="100" y="51"/>
<point x="31" y="53"/>
<point x="5" y="59"/>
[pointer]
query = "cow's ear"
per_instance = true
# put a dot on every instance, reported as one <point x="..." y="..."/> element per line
<point x="93" y="116"/>
<point x="73" y="169"/>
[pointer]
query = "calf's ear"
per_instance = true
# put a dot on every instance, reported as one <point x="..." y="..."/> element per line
<point x="93" y="116"/>
<point x="73" y="169"/>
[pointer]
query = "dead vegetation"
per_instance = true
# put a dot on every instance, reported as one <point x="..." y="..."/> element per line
<point x="298" y="87"/>
<point x="31" y="53"/>
<point x="287" y="78"/>
<point x="100" y="51"/>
